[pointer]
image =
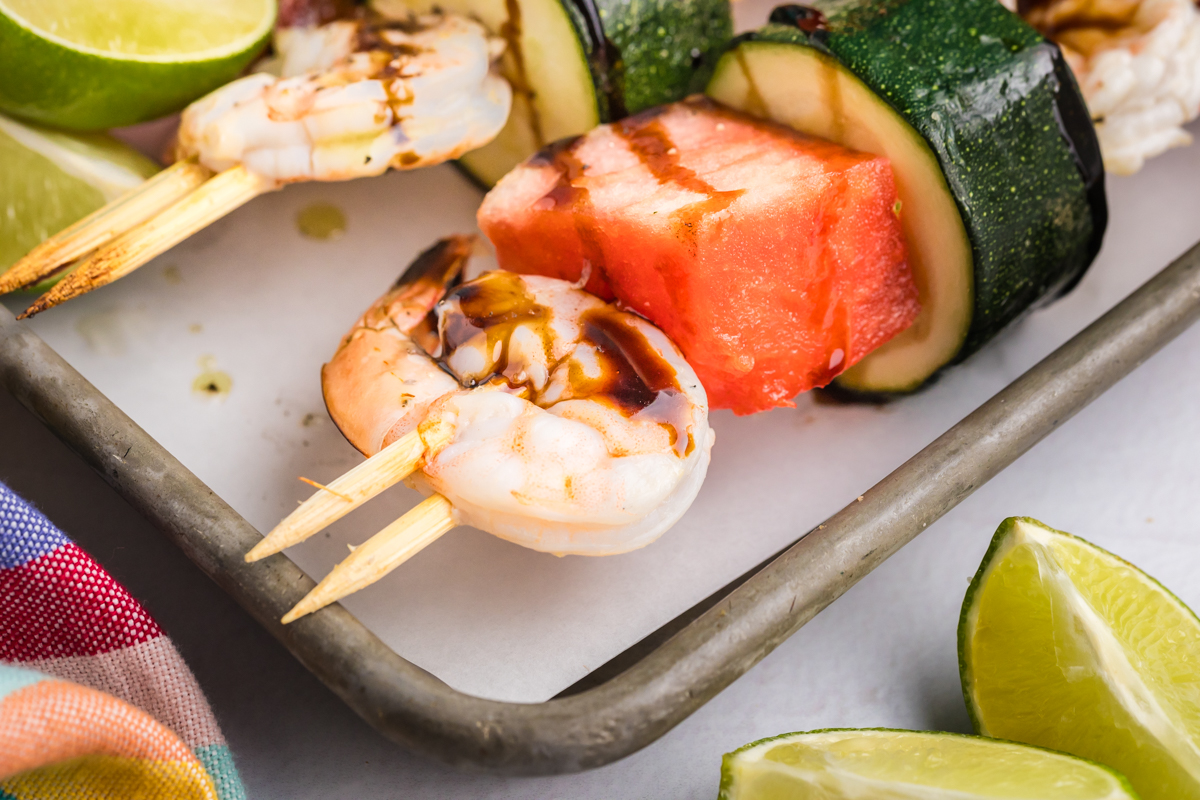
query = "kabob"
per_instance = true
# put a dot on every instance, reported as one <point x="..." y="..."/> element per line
<point x="357" y="91"/>
<point x="367" y="97"/>
<point x="853" y="202"/>
<point x="522" y="406"/>
<point x="574" y="64"/>
<point x="819" y="223"/>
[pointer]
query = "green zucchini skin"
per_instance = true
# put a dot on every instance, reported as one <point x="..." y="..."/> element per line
<point x="999" y="108"/>
<point x="647" y="53"/>
<point x="637" y="54"/>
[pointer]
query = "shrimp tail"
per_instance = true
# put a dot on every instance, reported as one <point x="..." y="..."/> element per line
<point x="439" y="267"/>
<point x="423" y="283"/>
<point x="386" y="354"/>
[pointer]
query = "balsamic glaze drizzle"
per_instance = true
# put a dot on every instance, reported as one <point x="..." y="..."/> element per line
<point x="634" y="378"/>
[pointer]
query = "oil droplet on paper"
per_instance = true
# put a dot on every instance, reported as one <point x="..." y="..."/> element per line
<point x="195" y="327"/>
<point x="212" y="382"/>
<point x="115" y="331"/>
<point x="172" y="275"/>
<point x="104" y="331"/>
<point x="321" y="221"/>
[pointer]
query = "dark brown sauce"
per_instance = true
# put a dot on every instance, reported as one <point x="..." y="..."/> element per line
<point x="497" y="304"/>
<point x="830" y="75"/>
<point x="511" y="32"/>
<point x="567" y="194"/>
<point x="807" y="19"/>
<point x="389" y="57"/>
<point x="650" y="142"/>
<point x="754" y="100"/>
<point x="421" y="286"/>
<point x="634" y="378"/>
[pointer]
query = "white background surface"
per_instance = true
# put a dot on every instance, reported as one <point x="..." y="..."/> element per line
<point x="1123" y="474"/>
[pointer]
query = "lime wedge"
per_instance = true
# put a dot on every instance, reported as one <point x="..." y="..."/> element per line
<point x="89" y="64"/>
<point x="907" y="765"/>
<point x="50" y="179"/>
<point x="1064" y="645"/>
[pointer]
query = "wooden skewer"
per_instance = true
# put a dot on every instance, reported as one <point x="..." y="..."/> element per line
<point x="386" y="468"/>
<point x="105" y="224"/>
<point x="214" y="199"/>
<point x="380" y="554"/>
<point x="316" y="485"/>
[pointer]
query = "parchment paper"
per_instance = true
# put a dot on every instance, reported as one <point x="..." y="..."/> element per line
<point x="252" y="298"/>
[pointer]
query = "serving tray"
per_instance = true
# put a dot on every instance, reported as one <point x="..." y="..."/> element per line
<point x="657" y="685"/>
<point x="482" y="653"/>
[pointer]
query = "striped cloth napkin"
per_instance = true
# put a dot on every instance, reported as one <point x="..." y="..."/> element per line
<point x="95" y="702"/>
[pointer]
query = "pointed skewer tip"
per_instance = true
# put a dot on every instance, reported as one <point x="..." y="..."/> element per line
<point x="379" y="472"/>
<point x="197" y="209"/>
<point x="380" y="554"/>
<point x="104" y="224"/>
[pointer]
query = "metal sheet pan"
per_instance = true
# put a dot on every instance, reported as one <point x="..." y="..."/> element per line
<point x="636" y="698"/>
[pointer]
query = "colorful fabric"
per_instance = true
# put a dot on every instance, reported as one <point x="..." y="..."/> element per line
<point x="95" y="702"/>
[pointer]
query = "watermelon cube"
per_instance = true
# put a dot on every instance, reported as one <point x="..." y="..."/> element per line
<point x="773" y="260"/>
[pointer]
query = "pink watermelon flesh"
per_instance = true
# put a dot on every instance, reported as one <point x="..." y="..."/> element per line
<point x="774" y="261"/>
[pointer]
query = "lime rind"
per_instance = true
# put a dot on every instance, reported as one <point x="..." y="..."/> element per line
<point x="49" y="180"/>
<point x="1120" y="788"/>
<point x="64" y="86"/>
<point x="97" y="159"/>
<point x="1133" y="705"/>
<point x="247" y="41"/>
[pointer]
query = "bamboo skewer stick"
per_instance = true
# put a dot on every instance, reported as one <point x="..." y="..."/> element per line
<point x="386" y="468"/>
<point x="380" y="554"/>
<point x="214" y="199"/>
<point x="105" y="224"/>
<point x="316" y="485"/>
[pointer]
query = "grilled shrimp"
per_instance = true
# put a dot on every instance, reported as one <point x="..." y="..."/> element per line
<point x="563" y="424"/>
<point x="378" y="93"/>
<point x="356" y="98"/>
<point x="1138" y="64"/>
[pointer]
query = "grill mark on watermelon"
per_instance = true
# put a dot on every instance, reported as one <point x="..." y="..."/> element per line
<point x="565" y="193"/>
<point x="651" y="143"/>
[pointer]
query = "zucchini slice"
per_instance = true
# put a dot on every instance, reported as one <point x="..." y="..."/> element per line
<point x="575" y="64"/>
<point x="996" y="162"/>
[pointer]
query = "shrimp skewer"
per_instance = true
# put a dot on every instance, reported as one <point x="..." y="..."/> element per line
<point x="378" y="94"/>
<point x="543" y="416"/>
<point x="381" y="338"/>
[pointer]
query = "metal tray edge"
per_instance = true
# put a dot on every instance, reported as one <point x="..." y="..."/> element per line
<point x="609" y="721"/>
